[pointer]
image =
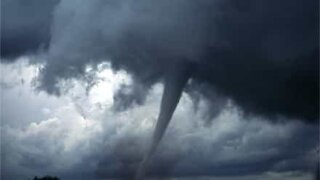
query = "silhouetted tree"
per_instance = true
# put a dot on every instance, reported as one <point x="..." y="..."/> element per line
<point x="46" y="178"/>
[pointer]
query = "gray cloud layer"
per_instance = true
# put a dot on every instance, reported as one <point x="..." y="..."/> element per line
<point x="95" y="143"/>
<point x="25" y="27"/>
<point x="262" y="54"/>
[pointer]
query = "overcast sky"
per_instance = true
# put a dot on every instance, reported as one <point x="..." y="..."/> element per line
<point x="82" y="81"/>
<point x="79" y="135"/>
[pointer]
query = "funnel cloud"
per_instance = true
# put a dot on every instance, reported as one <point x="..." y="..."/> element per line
<point x="263" y="56"/>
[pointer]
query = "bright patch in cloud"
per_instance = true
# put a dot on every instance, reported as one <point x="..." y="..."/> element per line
<point x="80" y="131"/>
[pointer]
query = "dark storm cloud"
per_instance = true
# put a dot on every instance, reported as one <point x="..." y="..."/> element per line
<point x="214" y="101"/>
<point x="129" y="95"/>
<point x="262" y="54"/>
<point x="25" y="26"/>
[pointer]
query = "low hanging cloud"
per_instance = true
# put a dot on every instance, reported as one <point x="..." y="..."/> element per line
<point x="262" y="54"/>
<point x="109" y="144"/>
<point x="234" y="59"/>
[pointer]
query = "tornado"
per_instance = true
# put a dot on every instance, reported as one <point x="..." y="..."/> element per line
<point x="174" y="82"/>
